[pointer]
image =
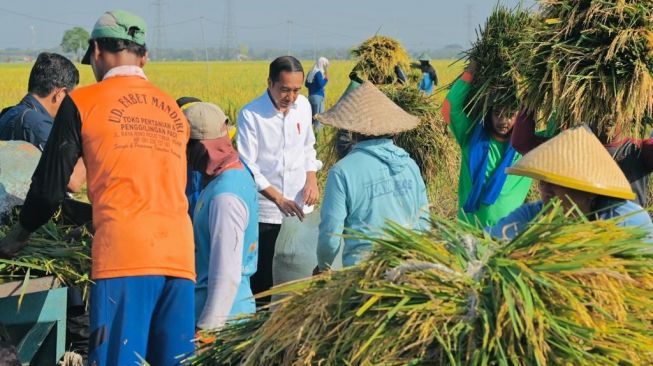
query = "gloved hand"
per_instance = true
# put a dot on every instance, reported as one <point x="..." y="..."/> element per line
<point x="317" y="271"/>
<point x="353" y="76"/>
<point x="401" y="75"/>
<point x="15" y="240"/>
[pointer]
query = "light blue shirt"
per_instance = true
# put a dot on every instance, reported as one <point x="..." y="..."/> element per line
<point x="225" y="225"/>
<point x="375" y="182"/>
<point x="513" y="224"/>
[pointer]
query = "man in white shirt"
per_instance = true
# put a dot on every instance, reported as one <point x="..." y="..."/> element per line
<point x="276" y="141"/>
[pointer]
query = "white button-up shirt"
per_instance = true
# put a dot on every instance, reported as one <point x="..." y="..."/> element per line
<point x="279" y="149"/>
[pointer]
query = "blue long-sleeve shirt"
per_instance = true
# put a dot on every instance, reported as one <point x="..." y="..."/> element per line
<point x="375" y="182"/>
<point x="513" y="224"/>
<point x="35" y="123"/>
<point x="317" y="86"/>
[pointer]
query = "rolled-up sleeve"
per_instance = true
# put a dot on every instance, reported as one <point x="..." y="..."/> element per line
<point x="247" y="141"/>
<point x="333" y="215"/>
<point x="311" y="163"/>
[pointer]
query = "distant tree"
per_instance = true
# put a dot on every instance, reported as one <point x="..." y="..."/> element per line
<point x="75" y="41"/>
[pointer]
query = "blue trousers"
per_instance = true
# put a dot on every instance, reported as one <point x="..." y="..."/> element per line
<point x="317" y="107"/>
<point x="149" y="318"/>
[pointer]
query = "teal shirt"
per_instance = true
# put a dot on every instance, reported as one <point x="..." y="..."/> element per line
<point x="240" y="183"/>
<point x="515" y="188"/>
<point x="375" y="182"/>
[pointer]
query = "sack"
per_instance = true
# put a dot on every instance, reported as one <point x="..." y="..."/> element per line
<point x="18" y="160"/>
<point x="295" y="252"/>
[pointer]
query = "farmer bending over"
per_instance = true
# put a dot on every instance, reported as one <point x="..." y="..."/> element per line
<point x="575" y="168"/>
<point x="51" y="78"/>
<point x="634" y="156"/>
<point x="225" y="221"/>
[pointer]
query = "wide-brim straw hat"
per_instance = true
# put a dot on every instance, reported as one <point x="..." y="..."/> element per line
<point x="575" y="159"/>
<point x="368" y="111"/>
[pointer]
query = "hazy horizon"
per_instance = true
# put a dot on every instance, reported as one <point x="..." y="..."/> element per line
<point x="281" y="24"/>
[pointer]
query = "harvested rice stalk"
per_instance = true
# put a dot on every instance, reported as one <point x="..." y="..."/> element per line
<point x="430" y="145"/>
<point x="377" y="57"/>
<point x="495" y="82"/>
<point x="573" y="292"/>
<point x="591" y="62"/>
<point x="54" y="249"/>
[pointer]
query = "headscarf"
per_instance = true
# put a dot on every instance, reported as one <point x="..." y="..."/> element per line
<point x="321" y="65"/>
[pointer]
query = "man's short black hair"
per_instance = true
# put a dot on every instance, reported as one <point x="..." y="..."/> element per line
<point x="284" y="63"/>
<point x="115" y="45"/>
<point x="51" y="71"/>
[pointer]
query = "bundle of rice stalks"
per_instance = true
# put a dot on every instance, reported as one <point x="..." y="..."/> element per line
<point x="591" y="62"/>
<point x="377" y="57"/>
<point x="562" y="292"/>
<point x="430" y="145"/>
<point x="54" y="249"/>
<point x="495" y="82"/>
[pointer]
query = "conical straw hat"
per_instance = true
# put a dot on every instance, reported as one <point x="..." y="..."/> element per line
<point x="575" y="159"/>
<point x="368" y="111"/>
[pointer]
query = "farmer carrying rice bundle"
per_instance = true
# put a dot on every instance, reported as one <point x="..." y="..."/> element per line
<point x="592" y="62"/>
<point x="576" y="169"/>
<point x="375" y="182"/>
<point x="429" y="141"/>
<point x="429" y="78"/>
<point x="480" y="109"/>
<point x="634" y="156"/>
<point x="380" y="60"/>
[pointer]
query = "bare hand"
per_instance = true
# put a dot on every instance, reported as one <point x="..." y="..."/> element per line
<point x="311" y="192"/>
<point x="15" y="240"/>
<point x="290" y="208"/>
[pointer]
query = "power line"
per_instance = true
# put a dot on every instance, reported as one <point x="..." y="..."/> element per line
<point x="45" y="20"/>
<point x="178" y="23"/>
<point x="325" y="32"/>
<point x="265" y="26"/>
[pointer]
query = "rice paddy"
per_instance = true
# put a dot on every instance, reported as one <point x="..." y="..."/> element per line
<point x="228" y="84"/>
<point x="231" y="85"/>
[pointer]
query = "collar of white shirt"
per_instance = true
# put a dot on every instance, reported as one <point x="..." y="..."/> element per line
<point x="270" y="104"/>
<point x="125" y="70"/>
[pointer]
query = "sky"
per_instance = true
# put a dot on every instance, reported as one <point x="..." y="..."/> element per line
<point x="278" y="24"/>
